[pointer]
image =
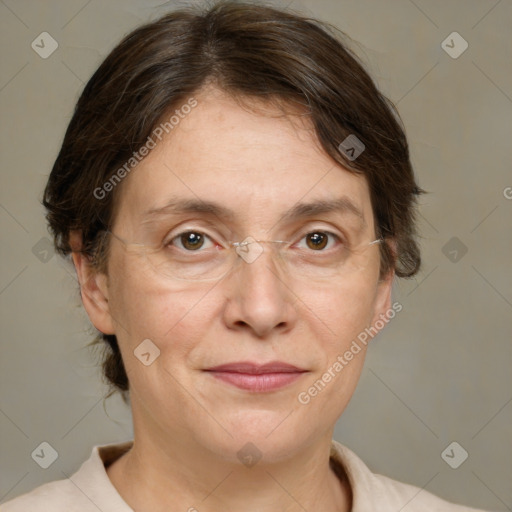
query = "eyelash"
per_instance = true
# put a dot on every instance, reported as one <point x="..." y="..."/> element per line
<point x="337" y="237"/>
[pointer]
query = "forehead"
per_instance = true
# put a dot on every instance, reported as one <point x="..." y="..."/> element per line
<point x="256" y="163"/>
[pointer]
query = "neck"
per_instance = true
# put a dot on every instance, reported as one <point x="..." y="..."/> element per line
<point x="172" y="474"/>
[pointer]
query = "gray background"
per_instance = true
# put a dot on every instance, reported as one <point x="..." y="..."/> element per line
<point x="440" y="372"/>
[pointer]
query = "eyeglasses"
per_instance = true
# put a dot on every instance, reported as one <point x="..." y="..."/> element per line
<point x="195" y="262"/>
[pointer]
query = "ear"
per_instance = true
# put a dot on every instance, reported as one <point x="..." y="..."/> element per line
<point x="93" y="287"/>
<point x="382" y="304"/>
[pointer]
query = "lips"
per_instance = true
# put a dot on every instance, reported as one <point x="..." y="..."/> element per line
<point x="257" y="377"/>
<point x="256" y="369"/>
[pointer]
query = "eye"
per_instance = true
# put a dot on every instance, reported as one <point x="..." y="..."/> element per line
<point x="191" y="241"/>
<point x="319" y="240"/>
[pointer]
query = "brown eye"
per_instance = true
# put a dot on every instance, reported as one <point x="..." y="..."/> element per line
<point x="317" y="240"/>
<point x="191" y="240"/>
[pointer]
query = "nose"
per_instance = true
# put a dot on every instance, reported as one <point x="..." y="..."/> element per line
<point x="258" y="297"/>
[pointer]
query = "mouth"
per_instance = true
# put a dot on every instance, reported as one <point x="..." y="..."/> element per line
<point x="255" y="377"/>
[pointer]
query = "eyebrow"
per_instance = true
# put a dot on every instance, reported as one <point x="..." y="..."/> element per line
<point x="300" y="210"/>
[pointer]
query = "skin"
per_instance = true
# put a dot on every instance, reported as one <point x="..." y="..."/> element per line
<point x="189" y="426"/>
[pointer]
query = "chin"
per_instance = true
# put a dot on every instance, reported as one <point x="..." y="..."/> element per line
<point x="272" y="435"/>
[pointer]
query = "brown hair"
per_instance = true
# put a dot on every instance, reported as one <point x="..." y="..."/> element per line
<point x="248" y="50"/>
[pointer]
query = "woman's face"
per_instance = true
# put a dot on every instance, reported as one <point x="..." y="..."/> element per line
<point x="259" y="166"/>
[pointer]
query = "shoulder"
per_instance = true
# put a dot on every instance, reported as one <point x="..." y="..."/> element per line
<point x="87" y="490"/>
<point x="415" y="499"/>
<point x="377" y="492"/>
<point x="58" y="496"/>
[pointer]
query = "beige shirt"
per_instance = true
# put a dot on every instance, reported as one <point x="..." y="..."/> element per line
<point x="90" y="489"/>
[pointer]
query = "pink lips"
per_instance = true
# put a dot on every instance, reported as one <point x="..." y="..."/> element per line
<point x="257" y="378"/>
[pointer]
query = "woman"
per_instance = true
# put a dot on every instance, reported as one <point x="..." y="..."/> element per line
<point x="237" y="198"/>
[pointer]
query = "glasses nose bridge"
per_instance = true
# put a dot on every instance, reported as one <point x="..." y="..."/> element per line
<point x="251" y="249"/>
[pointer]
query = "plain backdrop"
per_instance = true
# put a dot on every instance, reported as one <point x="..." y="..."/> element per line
<point x="440" y="371"/>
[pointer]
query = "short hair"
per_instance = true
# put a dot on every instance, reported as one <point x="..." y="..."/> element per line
<point x="249" y="51"/>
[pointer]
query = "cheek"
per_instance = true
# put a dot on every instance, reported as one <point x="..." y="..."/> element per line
<point x="157" y="313"/>
<point x="143" y="306"/>
<point x="339" y="313"/>
<point x="336" y="317"/>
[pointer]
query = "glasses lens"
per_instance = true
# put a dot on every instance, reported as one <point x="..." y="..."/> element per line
<point x="214" y="263"/>
<point x="190" y="265"/>
<point x="317" y="264"/>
